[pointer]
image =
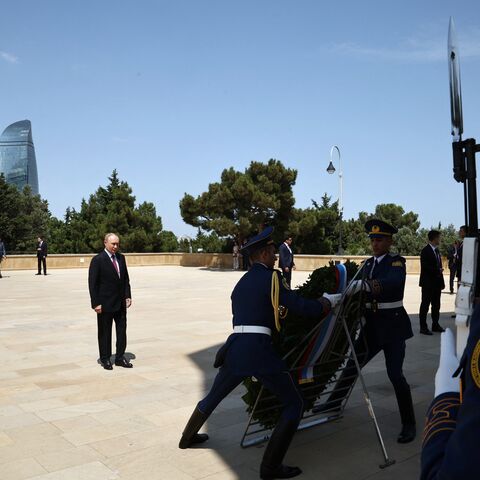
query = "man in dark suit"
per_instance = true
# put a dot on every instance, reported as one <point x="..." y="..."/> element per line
<point x="432" y="283"/>
<point x="285" y="260"/>
<point x="452" y="263"/>
<point x="110" y="296"/>
<point x="3" y="253"/>
<point x="42" y="255"/>
<point x="462" y="232"/>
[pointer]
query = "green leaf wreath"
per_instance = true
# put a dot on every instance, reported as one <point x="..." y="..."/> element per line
<point x="292" y="339"/>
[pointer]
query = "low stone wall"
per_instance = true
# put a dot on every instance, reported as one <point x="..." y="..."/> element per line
<point x="208" y="260"/>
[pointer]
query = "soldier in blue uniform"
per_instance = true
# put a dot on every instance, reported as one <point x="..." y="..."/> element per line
<point x="387" y="324"/>
<point x="249" y="352"/>
<point x="451" y="449"/>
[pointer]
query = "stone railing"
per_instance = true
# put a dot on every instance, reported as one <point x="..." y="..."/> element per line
<point x="209" y="260"/>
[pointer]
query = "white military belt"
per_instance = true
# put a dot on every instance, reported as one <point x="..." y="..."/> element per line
<point x="251" y="329"/>
<point x="384" y="306"/>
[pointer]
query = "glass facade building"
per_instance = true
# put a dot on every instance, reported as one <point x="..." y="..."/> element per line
<point x="17" y="156"/>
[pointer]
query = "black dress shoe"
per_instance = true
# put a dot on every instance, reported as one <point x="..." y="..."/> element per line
<point x="425" y="331"/>
<point x="107" y="365"/>
<point x="408" y="433"/>
<point x="38" y="274"/>
<point x="188" y="442"/>
<point x="282" y="471"/>
<point x="123" y="362"/>
<point x="437" y="328"/>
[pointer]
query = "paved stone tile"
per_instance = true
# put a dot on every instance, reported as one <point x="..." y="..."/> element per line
<point x="54" y="461"/>
<point x="86" y="471"/>
<point x="21" y="469"/>
<point x="61" y="413"/>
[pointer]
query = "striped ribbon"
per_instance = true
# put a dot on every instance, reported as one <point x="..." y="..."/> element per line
<point x="320" y="340"/>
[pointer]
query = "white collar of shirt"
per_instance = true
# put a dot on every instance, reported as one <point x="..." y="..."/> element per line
<point x="288" y="246"/>
<point x="110" y="254"/>
<point x="433" y="247"/>
<point x="380" y="258"/>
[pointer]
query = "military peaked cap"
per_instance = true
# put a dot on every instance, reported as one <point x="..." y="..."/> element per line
<point x="379" y="229"/>
<point x="261" y="240"/>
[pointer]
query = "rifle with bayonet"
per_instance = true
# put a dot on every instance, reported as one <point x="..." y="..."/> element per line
<point x="464" y="171"/>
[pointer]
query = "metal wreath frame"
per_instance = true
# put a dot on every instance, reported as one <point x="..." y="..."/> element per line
<point x="324" y="413"/>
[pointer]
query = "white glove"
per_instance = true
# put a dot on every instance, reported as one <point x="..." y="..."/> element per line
<point x="333" y="298"/>
<point x="356" y="286"/>
<point x="447" y="365"/>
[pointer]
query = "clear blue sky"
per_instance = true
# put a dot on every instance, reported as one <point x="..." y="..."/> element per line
<point x="171" y="92"/>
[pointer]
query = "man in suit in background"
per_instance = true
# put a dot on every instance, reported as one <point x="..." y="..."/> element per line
<point x="452" y="263"/>
<point x="42" y="255"/>
<point x="462" y="233"/>
<point x="432" y="283"/>
<point x="3" y="253"/>
<point x="110" y="296"/>
<point x="285" y="261"/>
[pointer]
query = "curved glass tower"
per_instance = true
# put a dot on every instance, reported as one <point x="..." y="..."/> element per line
<point x="17" y="155"/>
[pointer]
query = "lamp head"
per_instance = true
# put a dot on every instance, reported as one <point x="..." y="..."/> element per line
<point x="330" y="168"/>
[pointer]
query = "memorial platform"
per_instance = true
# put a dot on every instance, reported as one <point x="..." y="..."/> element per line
<point x="63" y="417"/>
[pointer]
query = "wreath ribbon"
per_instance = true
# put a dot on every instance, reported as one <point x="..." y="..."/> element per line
<point x="320" y="340"/>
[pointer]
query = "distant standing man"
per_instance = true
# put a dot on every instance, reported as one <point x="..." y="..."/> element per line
<point x="462" y="233"/>
<point x="110" y="296"/>
<point x="452" y="263"/>
<point x="431" y="281"/>
<point x="42" y="255"/>
<point x="285" y="261"/>
<point x="235" y="253"/>
<point x="3" y="254"/>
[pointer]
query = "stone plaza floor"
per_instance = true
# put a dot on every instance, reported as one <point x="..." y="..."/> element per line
<point x="63" y="417"/>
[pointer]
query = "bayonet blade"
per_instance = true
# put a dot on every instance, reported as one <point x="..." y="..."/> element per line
<point x="455" y="85"/>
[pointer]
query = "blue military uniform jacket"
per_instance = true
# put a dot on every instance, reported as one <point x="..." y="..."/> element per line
<point x="451" y="447"/>
<point x="387" y="284"/>
<point x="249" y="354"/>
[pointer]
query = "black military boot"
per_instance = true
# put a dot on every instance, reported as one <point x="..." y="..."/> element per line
<point x="277" y="447"/>
<point x="190" y="435"/>
<point x="407" y="414"/>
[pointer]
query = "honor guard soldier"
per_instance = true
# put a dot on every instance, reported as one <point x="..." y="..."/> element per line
<point x="387" y="324"/>
<point x="248" y="351"/>
<point x="450" y="438"/>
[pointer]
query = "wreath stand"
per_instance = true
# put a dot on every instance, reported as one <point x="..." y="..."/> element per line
<point x="321" y="412"/>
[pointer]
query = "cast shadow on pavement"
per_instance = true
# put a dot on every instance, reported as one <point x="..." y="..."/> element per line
<point x="227" y="423"/>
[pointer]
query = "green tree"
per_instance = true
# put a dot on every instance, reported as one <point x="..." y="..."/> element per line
<point x="406" y="241"/>
<point x="23" y="217"/>
<point x="316" y="229"/>
<point x="243" y="203"/>
<point x="168" y="241"/>
<point x="110" y="209"/>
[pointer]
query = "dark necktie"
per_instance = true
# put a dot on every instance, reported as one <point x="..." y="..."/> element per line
<point x="375" y="265"/>
<point x="115" y="264"/>
<point x="439" y="259"/>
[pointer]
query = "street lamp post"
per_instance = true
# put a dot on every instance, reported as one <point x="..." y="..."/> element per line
<point x="331" y="170"/>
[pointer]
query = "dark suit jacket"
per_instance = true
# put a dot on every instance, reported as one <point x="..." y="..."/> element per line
<point x="285" y="257"/>
<point x="459" y="261"/>
<point x="106" y="287"/>
<point x="43" y="249"/>
<point x="430" y="274"/>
